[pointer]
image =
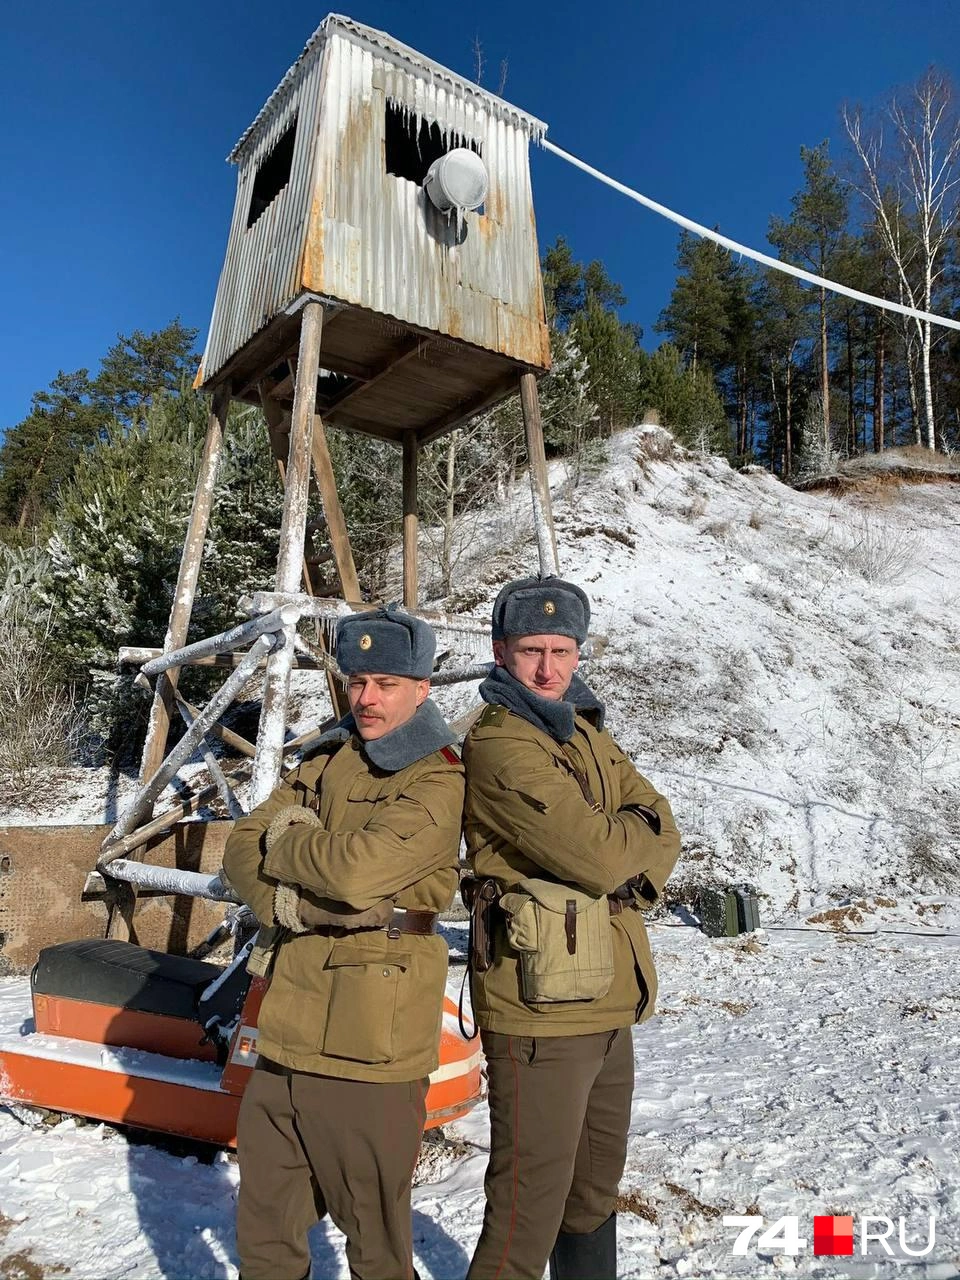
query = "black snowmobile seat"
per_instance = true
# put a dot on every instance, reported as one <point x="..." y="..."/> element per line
<point x="120" y="974"/>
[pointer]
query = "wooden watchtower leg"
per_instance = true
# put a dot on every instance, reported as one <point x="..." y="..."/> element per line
<point x="155" y="746"/>
<point x="120" y="922"/>
<point x="411" y="451"/>
<point x="333" y="512"/>
<point x="293" y="526"/>
<point x="539" y="485"/>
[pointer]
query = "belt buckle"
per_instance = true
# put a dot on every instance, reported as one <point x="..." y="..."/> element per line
<point x="393" y="931"/>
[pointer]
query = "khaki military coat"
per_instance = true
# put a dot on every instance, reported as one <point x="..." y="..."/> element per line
<point x="526" y="816"/>
<point x="356" y="1004"/>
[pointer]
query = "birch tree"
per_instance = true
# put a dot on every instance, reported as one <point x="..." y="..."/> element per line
<point x="910" y="161"/>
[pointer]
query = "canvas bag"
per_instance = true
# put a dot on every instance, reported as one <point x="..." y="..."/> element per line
<point x="564" y="939"/>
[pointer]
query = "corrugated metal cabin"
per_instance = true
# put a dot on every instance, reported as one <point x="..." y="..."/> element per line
<point x="428" y="317"/>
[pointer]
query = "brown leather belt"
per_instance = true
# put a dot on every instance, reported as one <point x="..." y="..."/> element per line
<point x="422" y="922"/>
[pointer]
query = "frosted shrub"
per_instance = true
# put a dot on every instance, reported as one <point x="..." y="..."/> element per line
<point x="40" y="726"/>
<point x="881" y="552"/>
<point x="818" y="457"/>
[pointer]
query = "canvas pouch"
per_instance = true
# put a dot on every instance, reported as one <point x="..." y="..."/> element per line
<point x="564" y="939"/>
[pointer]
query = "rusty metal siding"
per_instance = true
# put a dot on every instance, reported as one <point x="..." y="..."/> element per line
<point x="263" y="263"/>
<point x="379" y="243"/>
<point x="345" y="228"/>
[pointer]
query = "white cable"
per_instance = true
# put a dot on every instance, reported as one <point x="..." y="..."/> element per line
<point x="735" y="247"/>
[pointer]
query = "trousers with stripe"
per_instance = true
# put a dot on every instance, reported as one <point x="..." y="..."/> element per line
<point x="559" y="1115"/>
<point x="310" y="1145"/>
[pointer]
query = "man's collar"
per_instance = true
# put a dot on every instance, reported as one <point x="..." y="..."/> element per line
<point x="556" y="718"/>
<point x="425" y="732"/>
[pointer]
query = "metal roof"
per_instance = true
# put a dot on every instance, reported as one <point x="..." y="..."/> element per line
<point x="385" y="46"/>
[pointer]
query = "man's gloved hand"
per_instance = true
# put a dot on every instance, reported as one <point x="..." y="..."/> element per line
<point x="289" y="816"/>
<point x="298" y="909"/>
<point x="286" y="897"/>
<point x="637" y="889"/>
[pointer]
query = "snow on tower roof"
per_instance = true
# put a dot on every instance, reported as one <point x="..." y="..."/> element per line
<point x="385" y="46"/>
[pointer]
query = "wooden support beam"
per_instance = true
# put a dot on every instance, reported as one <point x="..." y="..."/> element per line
<point x="137" y="655"/>
<point x="411" y="450"/>
<point x="410" y="348"/>
<point x="336" y="524"/>
<point x="333" y="512"/>
<point x="226" y="736"/>
<point x="273" y="712"/>
<point x="277" y="426"/>
<point x="154" y="748"/>
<point x="539" y="483"/>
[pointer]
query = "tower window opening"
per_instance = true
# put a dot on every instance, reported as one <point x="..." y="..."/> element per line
<point x="412" y="143"/>
<point x="273" y="174"/>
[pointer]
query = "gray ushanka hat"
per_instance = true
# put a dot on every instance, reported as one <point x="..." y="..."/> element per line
<point x="541" y="606"/>
<point x="386" y="641"/>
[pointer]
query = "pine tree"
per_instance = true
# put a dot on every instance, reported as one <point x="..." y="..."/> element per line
<point x="686" y="399"/>
<point x="697" y="317"/>
<point x="811" y="238"/>
<point x="784" y="334"/>
<point x="38" y="454"/>
<point x="562" y="284"/>
<point x="140" y="365"/>
<point x="115" y="551"/>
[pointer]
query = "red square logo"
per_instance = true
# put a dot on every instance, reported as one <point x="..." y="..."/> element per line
<point x="832" y="1235"/>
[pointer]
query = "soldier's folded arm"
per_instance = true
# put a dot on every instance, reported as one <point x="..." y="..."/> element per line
<point x="635" y="789"/>
<point x="540" y="809"/>
<point x="407" y="840"/>
<point x="243" y="854"/>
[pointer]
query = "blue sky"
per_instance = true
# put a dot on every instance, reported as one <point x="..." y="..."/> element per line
<point x="115" y="200"/>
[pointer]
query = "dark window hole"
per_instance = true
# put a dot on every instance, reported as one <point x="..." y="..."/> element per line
<point x="273" y="174"/>
<point x="412" y="143"/>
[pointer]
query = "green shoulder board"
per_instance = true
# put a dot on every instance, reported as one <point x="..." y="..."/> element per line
<point x="492" y="717"/>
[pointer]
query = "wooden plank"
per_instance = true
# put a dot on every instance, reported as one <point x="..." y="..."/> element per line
<point x="44" y="869"/>
<point x="336" y="524"/>
<point x="412" y="347"/>
<point x="411" y="451"/>
<point x="226" y="736"/>
<point x="137" y="655"/>
<point x="154" y="747"/>
<point x="464" y="412"/>
<point x="539" y="483"/>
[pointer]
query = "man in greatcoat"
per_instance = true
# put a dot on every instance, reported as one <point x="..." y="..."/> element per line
<point x="557" y="821"/>
<point x="349" y="862"/>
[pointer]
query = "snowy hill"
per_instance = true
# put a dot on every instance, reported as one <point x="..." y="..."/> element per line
<point x="784" y="665"/>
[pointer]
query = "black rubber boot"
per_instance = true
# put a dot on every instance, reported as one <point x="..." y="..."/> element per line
<point x="586" y="1257"/>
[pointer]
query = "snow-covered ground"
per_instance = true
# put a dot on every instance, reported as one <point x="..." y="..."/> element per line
<point x="786" y="667"/>
<point x="787" y="1073"/>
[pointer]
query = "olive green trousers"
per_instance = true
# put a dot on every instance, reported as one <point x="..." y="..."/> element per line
<point x="559" y="1115"/>
<point x="311" y="1145"/>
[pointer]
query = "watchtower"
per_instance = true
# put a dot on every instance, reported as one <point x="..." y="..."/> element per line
<point x="382" y="275"/>
<point x="384" y="203"/>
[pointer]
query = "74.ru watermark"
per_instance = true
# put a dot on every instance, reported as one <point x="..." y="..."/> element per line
<point x="834" y="1235"/>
